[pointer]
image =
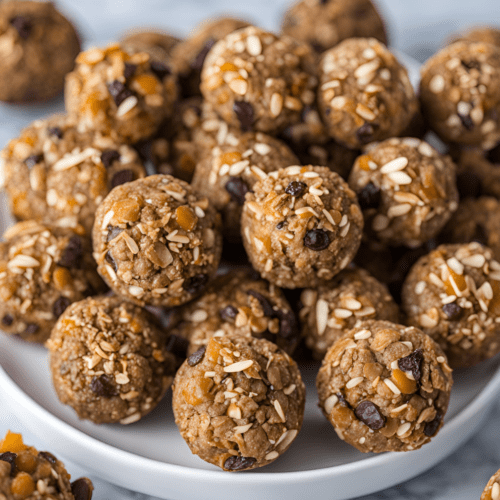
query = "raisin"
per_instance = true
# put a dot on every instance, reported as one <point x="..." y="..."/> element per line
<point x="197" y="63"/>
<point x="228" y="313"/>
<point x="295" y="188"/>
<point x="160" y="70"/>
<point x="7" y="320"/>
<point x="10" y="458"/>
<point x="31" y="329"/>
<point x="129" y="70"/>
<point x="369" y="196"/>
<point x="365" y="132"/>
<point x="195" y="284"/>
<point x="468" y="65"/>
<point x="118" y="91"/>
<point x="316" y="239"/>
<point x="23" y="26"/>
<point x="370" y="415"/>
<point x="237" y="189"/>
<point x="103" y="386"/>
<point x="113" y="232"/>
<point x="72" y="254"/>
<point x="177" y="345"/>
<point x="197" y="356"/>
<point x="32" y="160"/>
<point x="56" y="131"/>
<point x="466" y="121"/>
<point x="453" y="311"/>
<point x="280" y="225"/>
<point x="109" y="156"/>
<point x="82" y="489"/>
<point x="431" y="427"/>
<point x="121" y="177"/>
<point x="412" y="363"/>
<point x="244" y="113"/>
<point x="109" y="259"/>
<point x="266" y="306"/>
<point x="288" y="325"/>
<point x="60" y="305"/>
<point x="342" y="400"/>
<point x="239" y="463"/>
<point x="48" y="456"/>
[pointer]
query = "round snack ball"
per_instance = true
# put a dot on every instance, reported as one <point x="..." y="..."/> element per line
<point x="39" y="46"/>
<point x="157" y="43"/>
<point x="484" y="34"/>
<point x="190" y="54"/>
<point x="255" y="80"/>
<point x="120" y="94"/>
<point x="492" y="489"/>
<point x="156" y="242"/>
<point x="475" y="220"/>
<point x="453" y="294"/>
<point x="406" y="189"/>
<point x="239" y="402"/>
<point x="384" y="387"/>
<point x="43" y="269"/>
<point x="325" y="23"/>
<point x="54" y="172"/>
<point x="331" y="310"/>
<point x="301" y="226"/>
<point x="460" y="94"/>
<point x="108" y="360"/>
<point x="242" y="304"/>
<point x="26" y="472"/>
<point x="230" y="171"/>
<point x="365" y="94"/>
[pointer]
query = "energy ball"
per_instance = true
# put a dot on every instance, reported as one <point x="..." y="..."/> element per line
<point x="108" y="360"/>
<point x="26" y="472"/>
<point x="325" y="23"/>
<point x="54" y="172"/>
<point x="365" y="94"/>
<point x="484" y="34"/>
<point x="190" y="54"/>
<point x="39" y="46"/>
<point x="242" y="304"/>
<point x="492" y="489"/>
<point x="385" y="387"/>
<point x="255" y="80"/>
<point x="453" y="294"/>
<point x="43" y="269"/>
<point x="331" y="310"/>
<point x="407" y="190"/>
<point x="239" y="402"/>
<point x="460" y="93"/>
<point x="120" y="94"/>
<point x="156" y="242"/>
<point x="230" y="171"/>
<point x="301" y="226"/>
<point x="157" y="43"/>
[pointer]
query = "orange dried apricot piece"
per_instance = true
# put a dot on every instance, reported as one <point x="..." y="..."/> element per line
<point x="364" y="162"/>
<point x="196" y="390"/>
<point x="62" y="278"/>
<point x="26" y="461"/>
<point x="12" y="442"/>
<point x="213" y="350"/>
<point x="230" y="157"/>
<point x="458" y="280"/>
<point x="126" y="210"/>
<point x="22" y="485"/>
<point x="403" y="383"/>
<point x="186" y="218"/>
<point x="227" y="66"/>
<point x="342" y="416"/>
<point x="147" y="84"/>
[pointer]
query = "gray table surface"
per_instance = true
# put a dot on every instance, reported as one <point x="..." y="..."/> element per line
<point x="418" y="28"/>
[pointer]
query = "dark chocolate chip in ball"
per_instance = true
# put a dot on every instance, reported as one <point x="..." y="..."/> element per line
<point x="266" y="306"/>
<point x="468" y="65"/>
<point x="469" y="185"/>
<point x="31" y="329"/>
<point x="431" y="427"/>
<point x="237" y="189"/>
<point x="121" y="177"/>
<point x="129" y="70"/>
<point x="10" y="458"/>
<point x="197" y="356"/>
<point x="466" y="121"/>
<point x="109" y="156"/>
<point x="48" y="456"/>
<point x="296" y="188"/>
<point x="23" y="26"/>
<point x="195" y="284"/>
<point x="453" y="311"/>
<point x="316" y="239"/>
<point x="7" y="320"/>
<point x="109" y="259"/>
<point x="197" y="63"/>
<point x="244" y="113"/>
<point x="72" y="254"/>
<point x="412" y="363"/>
<point x="160" y="69"/>
<point x="239" y="463"/>
<point x="113" y="232"/>
<point x="82" y="489"/>
<point x="32" y="160"/>
<point x="103" y="386"/>
<point x="280" y="225"/>
<point x="365" y="132"/>
<point x="60" y="305"/>
<point x="370" y="415"/>
<point x="56" y="131"/>
<point x="228" y="313"/>
<point x="177" y="345"/>
<point x="369" y="196"/>
<point x="118" y="91"/>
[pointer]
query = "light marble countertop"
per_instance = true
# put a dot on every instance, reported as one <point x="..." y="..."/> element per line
<point x="417" y="28"/>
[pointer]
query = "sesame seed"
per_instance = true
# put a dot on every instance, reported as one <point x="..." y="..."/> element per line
<point x="354" y="382"/>
<point x="437" y="84"/>
<point x="241" y="429"/>
<point x="426" y="321"/>
<point x="476" y="260"/>
<point x="400" y="408"/>
<point x="400" y="178"/>
<point x="272" y="455"/>
<point x="403" y="429"/>
<point x="342" y="313"/>
<point x="345" y="230"/>
<point x="352" y="304"/>
<point x="288" y="390"/>
<point x="262" y="149"/>
<point x="486" y="291"/>
<point x="122" y="379"/>
<point x="279" y="410"/>
<point x="448" y="299"/>
<point x="131" y="419"/>
<point x="276" y="104"/>
<point x="239" y="366"/>
<point x="420" y="287"/>
<point x="367" y="68"/>
<point x="128" y="104"/>
<point x="321" y="316"/>
<point x="310" y="174"/>
<point x="362" y="440"/>
<point x="398" y="210"/>
<point x="258" y="172"/>
<point x="238" y="167"/>
<point x="380" y="222"/>
<point x="435" y="280"/>
<point x="198" y="316"/>
<point x="455" y="265"/>
<point x="425" y="150"/>
<point x="294" y="170"/>
<point x="329" y="217"/>
<point x="210" y="374"/>
<point x="495" y="491"/>
<point x="136" y="291"/>
<point x="254" y="46"/>
<point x="392" y="386"/>
<point x="24" y="261"/>
<point x="441" y="359"/>
<point x="343" y="221"/>
<point x="365" y="112"/>
<point x="362" y="335"/>
<point x="394" y="165"/>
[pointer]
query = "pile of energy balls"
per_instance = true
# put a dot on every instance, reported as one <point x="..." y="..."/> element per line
<point x="346" y="235"/>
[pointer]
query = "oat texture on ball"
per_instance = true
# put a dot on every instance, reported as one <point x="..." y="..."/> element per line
<point x="385" y="387"/>
<point x="239" y="402"/>
<point x="483" y="34"/>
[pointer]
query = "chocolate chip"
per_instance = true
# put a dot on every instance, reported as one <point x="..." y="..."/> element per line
<point x="296" y="188"/>
<point x="365" y="132"/>
<point x="453" y="311"/>
<point x="109" y="259"/>
<point x="60" y="305"/>
<point x="468" y="65"/>
<point x="197" y="63"/>
<point x="23" y="26"/>
<point x="195" y="284"/>
<point x="239" y="463"/>
<point x="228" y="313"/>
<point x="160" y="70"/>
<point x="370" y="415"/>
<point x="113" y="232"/>
<point x="10" y="458"/>
<point x="129" y="70"/>
<point x="244" y="113"/>
<point x="412" y="363"/>
<point x="56" y="131"/>
<point x="103" y="386"/>
<point x="316" y="239"/>
<point x="119" y="92"/>
<point x="431" y="427"/>
<point x="237" y="189"/>
<point x="466" y="121"/>
<point x="177" y="345"/>
<point x="7" y="320"/>
<point x="479" y="235"/>
<point x="280" y="225"/>
<point x="72" y="254"/>
<point x="48" y="456"/>
<point x="31" y="329"/>
<point x="109" y="156"/>
<point x="82" y="489"/>
<point x="122" y="177"/>
<point x="197" y="356"/>
<point x="369" y="196"/>
<point x="267" y="307"/>
<point x="32" y="160"/>
<point x="469" y="185"/>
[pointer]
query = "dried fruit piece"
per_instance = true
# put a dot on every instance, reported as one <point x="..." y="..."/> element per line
<point x="431" y="427"/>
<point x="244" y="113"/>
<point x="403" y="383"/>
<point x="266" y="306"/>
<point x="316" y="239"/>
<point x="228" y="313"/>
<point x="113" y="232"/>
<point x="48" y="456"/>
<point x="160" y="69"/>
<point x="453" y="311"/>
<point x="60" y="305"/>
<point x="23" y="26"/>
<point x="103" y="386"/>
<point x="239" y="463"/>
<point x="10" y="458"/>
<point x="370" y="415"/>
<point x="195" y="284"/>
<point x="186" y="218"/>
<point x="121" y="177"/>
<point x="32" y="160"/>
<point x="109" y="156"/>
<point x="197" y="356"/>
<point x="296" y="188"/>
<point x="369" y="196"/>
<point x="82" y="489"/>
<point x="412" y="363"/>
<point x="22" y="485"/>
<point x="72" y="254"/>
<point x="237" y="189"/>
<point x="119" y="92"/>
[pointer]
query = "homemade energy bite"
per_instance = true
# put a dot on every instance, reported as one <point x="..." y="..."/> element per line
<point x="242" y="304"/>
<point x="54" y="172"/>
<point x="43" y="269"/>
<point x="157" y="43"/>
<point x="325" y="23"/>
<point x="460" y="93"/>
<point x="156" y="242"/>
<point x="239" y="402"/>
<point x="301" y="226"/>
<point x="38" y="47"/>
<point x="484" y="34"/>
<point x="331" y="310"/>
<point x="230" y="171"/>
<point x="453" y="294"/>
<point x="492" y="489"/>
<point x="26" y="473"/>
<point x="120" y="94"/>
<point x="108" y="360"/>
<point x="255" y="80"/>
<point x="385" y="387"/>
<point x="406" y="189"/>
<point x="365" y="94"/>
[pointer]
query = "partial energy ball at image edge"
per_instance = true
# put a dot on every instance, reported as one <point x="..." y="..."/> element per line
<point x="492" y="489"/>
